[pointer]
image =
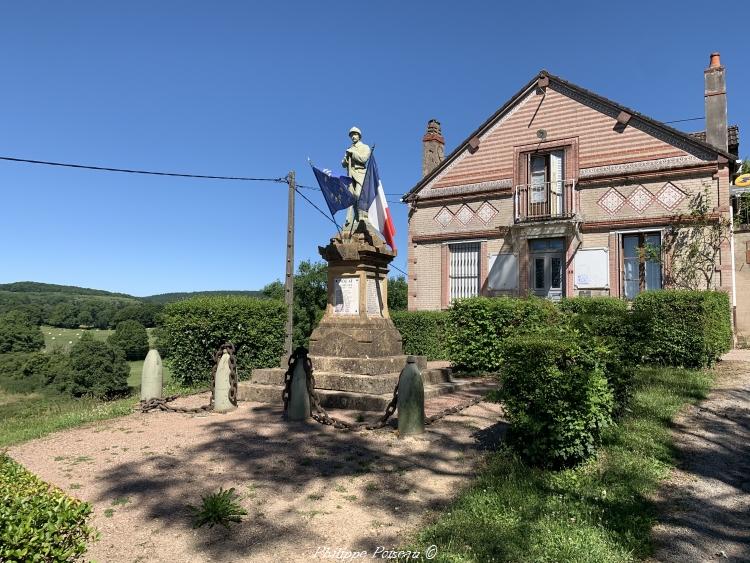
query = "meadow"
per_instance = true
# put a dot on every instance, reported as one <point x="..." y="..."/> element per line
<point x="24" y="416"/>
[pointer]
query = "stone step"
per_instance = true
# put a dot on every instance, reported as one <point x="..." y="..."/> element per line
<point x="380" y="365"/>
<point x="265" y="393"/>
<point x="374" y="384"/>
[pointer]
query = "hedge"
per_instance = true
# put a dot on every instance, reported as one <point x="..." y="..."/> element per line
<point x="423" y="333"/>
<point x="556" y="396"/>
<point x="683" y="328"/>
<point x="479" y="325"/>
<point x="193" y="330"/>
<point x="607" y="320"/>
<point x="39" y="522"/>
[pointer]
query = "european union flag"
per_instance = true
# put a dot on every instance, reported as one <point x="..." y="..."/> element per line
<point x="335" y="190"/>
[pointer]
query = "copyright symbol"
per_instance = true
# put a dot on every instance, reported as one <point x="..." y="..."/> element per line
<point x="431" y="552"/>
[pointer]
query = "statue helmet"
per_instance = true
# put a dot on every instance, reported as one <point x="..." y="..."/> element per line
<point x="355" y="130"/>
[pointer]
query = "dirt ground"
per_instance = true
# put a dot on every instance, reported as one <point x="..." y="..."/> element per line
<point x="706" y="502"/>
<point x="306" y="487"/>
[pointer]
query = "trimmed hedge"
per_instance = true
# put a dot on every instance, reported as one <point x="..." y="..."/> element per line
<point x="607" y="320"/>
<point x="556" y="396"/>
<point x="37" y="521"/>
<point x="683" y="328"/>
<point x="479" y="326"/>
<point x="193" y="330"/>
<point x="424" y="333"/>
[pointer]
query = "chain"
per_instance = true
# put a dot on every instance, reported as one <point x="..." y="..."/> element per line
<point x="163" y="404"/>
<point x="319" y="414"/>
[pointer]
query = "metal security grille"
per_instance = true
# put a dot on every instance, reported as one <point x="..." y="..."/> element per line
<point x="464" y="271"/>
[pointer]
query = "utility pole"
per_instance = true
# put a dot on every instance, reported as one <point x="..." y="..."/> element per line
<point x="289" y="280"/>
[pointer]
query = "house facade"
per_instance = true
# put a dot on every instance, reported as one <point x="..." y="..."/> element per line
<point x="565" y="193"/>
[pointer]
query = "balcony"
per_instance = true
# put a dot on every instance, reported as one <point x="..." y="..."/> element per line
<point x="543" y="201"/>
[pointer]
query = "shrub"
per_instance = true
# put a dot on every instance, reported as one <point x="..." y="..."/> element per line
<point x="683" y="328"/>
<point x="17" y="334"/>
<point x="608" y="320"/>
<point x="95" y="368"/>
<point x="39" y="522"/>
<point x="194" y="328"/>
<point x="479" y="325"/>
<point x="131" y="337"/>
<point x="423" y="333"/>
<point x="556" y="396"/>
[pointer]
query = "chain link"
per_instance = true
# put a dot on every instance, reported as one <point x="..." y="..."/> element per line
<point x="319" y="414"/>
<point x="163" y="404"/>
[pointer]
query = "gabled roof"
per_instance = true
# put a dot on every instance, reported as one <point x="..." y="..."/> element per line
<point x="532" y="84"/>
<point x="733" y="137"/>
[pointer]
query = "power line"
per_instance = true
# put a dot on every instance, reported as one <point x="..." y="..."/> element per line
<point x="688" y="119"/>
<point x="146" y="172"/>
<point x="386" y="193"/>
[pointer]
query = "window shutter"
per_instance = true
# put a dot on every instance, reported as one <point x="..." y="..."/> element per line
<point x="464" y="270"/>
<point x="556" y="179"/>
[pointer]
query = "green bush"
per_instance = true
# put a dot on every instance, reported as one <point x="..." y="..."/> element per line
<point x="18" y="334"/>
<point x="423" y="333"/>
<point x="39" y="522"/>
<point x="194" y="328"/>
<point x="555" y="396"/>
<point x="607" y="320"/>
<point x="478" y="327"/>
<point x="131" y="337"/>
<point x="92" y="368"/>
<point x="683" y="328"/>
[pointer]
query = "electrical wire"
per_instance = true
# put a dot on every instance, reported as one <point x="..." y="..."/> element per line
<point x="146" y="172"/>
<point x="688" y="119"/>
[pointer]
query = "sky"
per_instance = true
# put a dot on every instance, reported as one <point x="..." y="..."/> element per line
<point x="241" y="88"/>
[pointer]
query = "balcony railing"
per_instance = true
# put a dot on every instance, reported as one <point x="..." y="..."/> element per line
<point x="544" y="200"/>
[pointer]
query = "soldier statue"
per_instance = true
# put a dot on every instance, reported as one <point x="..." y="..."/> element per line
<point x="355" y="162"/>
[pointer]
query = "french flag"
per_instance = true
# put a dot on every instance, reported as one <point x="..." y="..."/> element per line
<point x="372" y="200"/>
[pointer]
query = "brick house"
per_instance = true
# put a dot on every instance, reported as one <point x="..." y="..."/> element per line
<point x="558" y="194"/>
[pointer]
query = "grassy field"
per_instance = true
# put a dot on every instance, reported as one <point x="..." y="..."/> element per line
<point x="33" y="415"/>
<point x="64" y="338"/>
<point x="24" y="416"/>
<point x="597" y="512"/>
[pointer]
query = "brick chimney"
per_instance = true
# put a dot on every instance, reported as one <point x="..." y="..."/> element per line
<point x="716" y="103"/>
<point x="433" y="147"/>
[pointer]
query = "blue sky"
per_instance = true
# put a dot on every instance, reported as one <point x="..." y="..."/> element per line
<point x="253" y="89"/>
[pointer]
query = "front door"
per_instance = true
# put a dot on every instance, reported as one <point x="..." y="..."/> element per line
<point x="546" y="262"/>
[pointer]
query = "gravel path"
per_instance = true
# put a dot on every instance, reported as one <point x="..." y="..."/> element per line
<point x="305" y="487"/>
<point x="706" y="502"/>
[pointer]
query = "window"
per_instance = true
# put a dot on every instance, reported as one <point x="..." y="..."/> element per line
<point x="464" y="270"/>
<point x="546" y="262"/>
<point x="641" y="272"/>
<point x="546" y="183"/>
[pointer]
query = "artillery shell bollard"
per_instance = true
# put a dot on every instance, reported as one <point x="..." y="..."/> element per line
<point x="299" y="398"/>
<point x="222" y="385"/>
<point x="410" y="399"/>
<point x="152" y="377"/>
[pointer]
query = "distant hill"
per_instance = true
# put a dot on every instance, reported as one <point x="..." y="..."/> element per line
<point x="38" y="287"/>
<point x="163" y="298"/>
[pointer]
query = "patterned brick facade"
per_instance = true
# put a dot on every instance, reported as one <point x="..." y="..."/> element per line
<point x="629" y="175"/>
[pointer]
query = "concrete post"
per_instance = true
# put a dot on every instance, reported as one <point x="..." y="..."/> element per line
<point x="221" y="385"/>
<point x="299" y="401"/>
<point x="152" y="376"/>
<point x="410" y="399"/>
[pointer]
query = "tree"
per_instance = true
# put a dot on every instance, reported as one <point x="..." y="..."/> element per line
<point x="693" y="248"/>
<point x="398" y="292"/>
<point x="96" y="368"/>
<point x="310" y="298"/>
<point x="18" y="334"/>
<point x="144" y="313"/>
<point x="131" y="337"/>
<point x="64" y="315"/>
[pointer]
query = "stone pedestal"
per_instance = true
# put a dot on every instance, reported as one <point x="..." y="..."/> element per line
<point x="356" y="349"/>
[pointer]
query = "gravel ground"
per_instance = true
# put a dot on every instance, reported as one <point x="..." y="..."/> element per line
<point x="306" y="487"/>
<point x="706" y="502"/>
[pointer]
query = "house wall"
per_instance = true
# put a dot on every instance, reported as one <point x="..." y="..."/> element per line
<point x="742" y="278"/>
<point x="628" y="177"/>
